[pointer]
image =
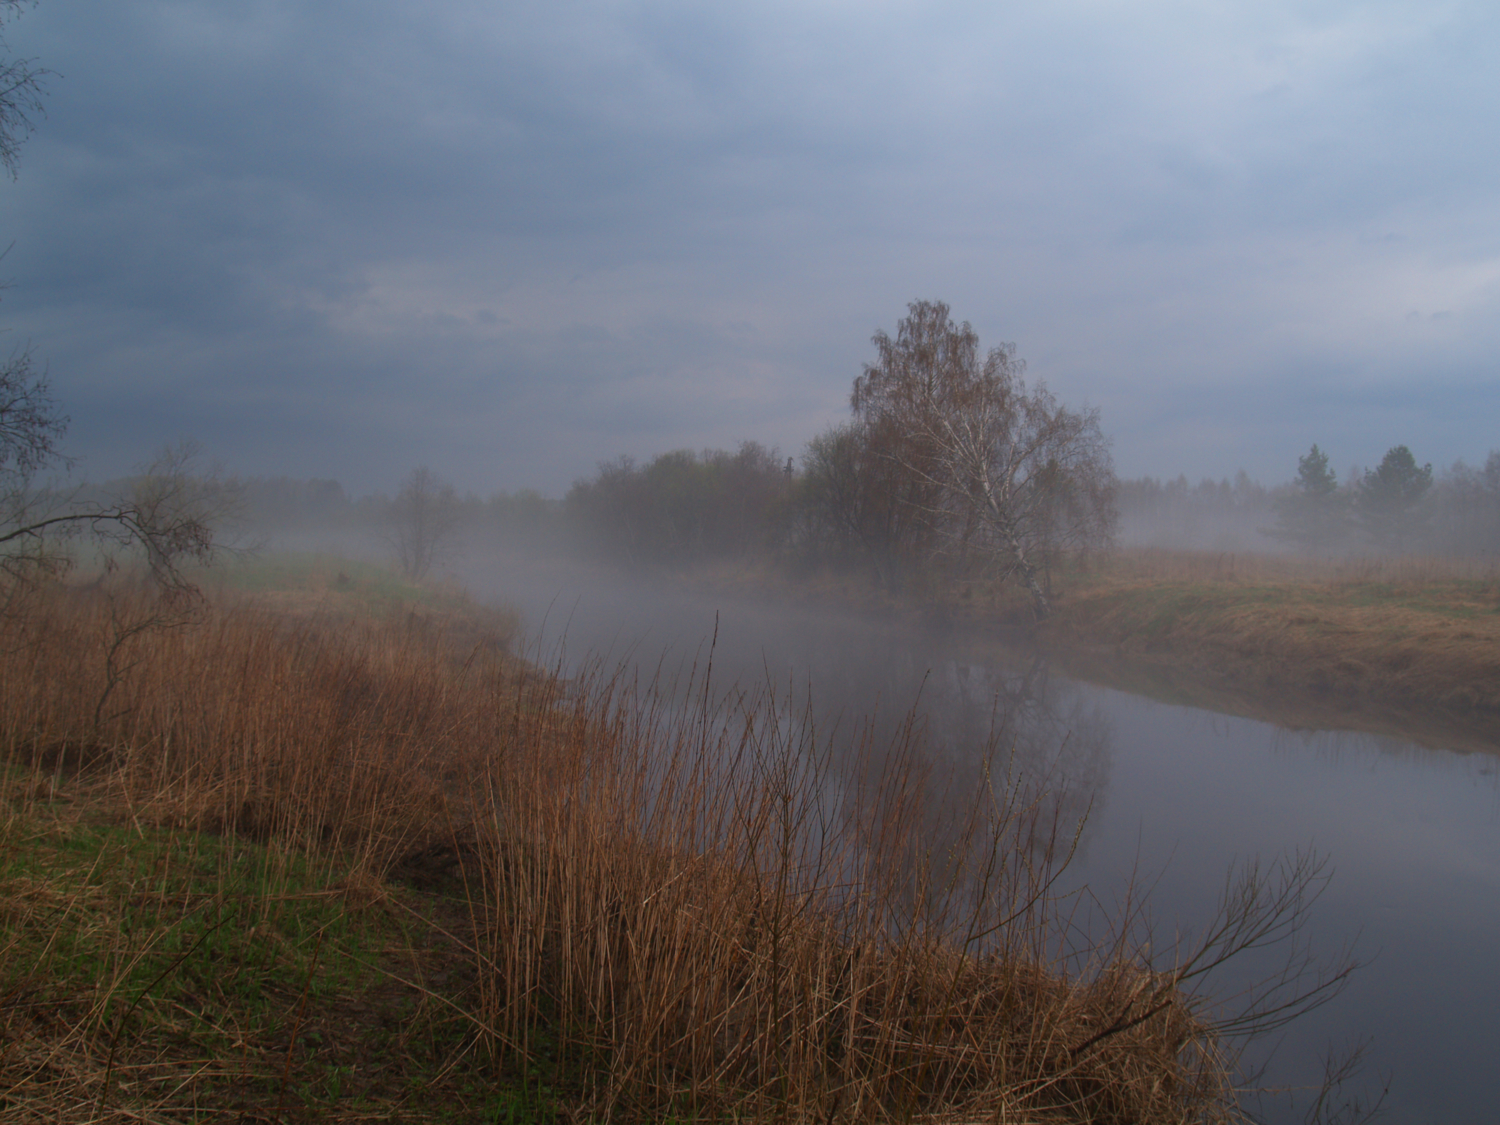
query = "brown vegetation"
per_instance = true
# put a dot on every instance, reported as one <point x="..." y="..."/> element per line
<point x="1382" y="637"/>
<point x="654" y="908"/>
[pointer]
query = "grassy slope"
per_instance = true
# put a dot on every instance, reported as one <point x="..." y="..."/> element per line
<point x="341" y="861"/>
<point x="156" y="965"/>
<point x="1420" y="638"/>
<point x="157" y="973"/>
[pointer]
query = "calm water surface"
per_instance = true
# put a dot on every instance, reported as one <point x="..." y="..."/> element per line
<point x="1175" y="797"/>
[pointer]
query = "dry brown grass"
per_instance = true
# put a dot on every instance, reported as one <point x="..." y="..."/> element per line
<point x="684" y="909"/>
<point x="675" y="903"/>
<point x="1148" y="564"/>
<point x="1407" y="646"/>
<point x="1414" y="633"/>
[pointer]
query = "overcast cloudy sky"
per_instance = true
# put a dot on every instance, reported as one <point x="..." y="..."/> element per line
<point x="511" y="239"/>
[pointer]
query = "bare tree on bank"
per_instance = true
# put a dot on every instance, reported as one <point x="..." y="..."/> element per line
<point x="168" y="514"/>
<point x="424" y="517"/>
<point x="991" y="465"/>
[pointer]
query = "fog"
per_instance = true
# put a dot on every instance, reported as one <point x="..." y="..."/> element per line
<point x="1161" y="796"/>
<point x="610" y="271"/>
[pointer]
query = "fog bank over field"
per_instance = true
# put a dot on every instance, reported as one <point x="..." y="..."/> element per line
<point x="754" y="504"/>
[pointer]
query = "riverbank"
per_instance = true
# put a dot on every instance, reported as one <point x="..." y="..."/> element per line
<point x="329" y="852"/>
<point x="1400" y="645"/>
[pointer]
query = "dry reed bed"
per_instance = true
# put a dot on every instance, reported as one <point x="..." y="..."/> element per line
<point x="686" y="903"/>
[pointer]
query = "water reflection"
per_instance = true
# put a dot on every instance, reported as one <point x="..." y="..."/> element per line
<point x="1170" y="795"/>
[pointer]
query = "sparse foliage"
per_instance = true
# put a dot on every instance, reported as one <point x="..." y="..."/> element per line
<point x="1465" y="509"/>
<point x="167" y="519"/>
<point x="988" y="464"/>
<point x="424" y="517"/>
<point x="30" y="423"/>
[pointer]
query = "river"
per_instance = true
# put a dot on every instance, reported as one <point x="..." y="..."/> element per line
<point x="1170" y="796"/>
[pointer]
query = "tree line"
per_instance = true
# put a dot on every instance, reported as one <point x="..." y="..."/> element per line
<point x="1398" y="506"/>
<point x="949" y="462"/>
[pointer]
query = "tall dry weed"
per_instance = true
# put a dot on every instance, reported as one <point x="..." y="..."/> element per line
<point x="708" y="910"/>
<point x="340" y="734"/>
<point x="688" y="900"/>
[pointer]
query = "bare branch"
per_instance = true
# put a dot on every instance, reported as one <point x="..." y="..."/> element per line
<point x="22" y="84"/>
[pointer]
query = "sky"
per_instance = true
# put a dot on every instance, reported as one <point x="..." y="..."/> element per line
<point x="512" y="240"/>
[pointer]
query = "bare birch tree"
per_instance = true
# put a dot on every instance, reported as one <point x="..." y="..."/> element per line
<point x="997" y="467"/>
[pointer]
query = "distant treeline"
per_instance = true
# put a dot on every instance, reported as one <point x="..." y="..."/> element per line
<point x="685" y="508"/>
<point x="949" y="463"/>
<point x="1396" y="507"/>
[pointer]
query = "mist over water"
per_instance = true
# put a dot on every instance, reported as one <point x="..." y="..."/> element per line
<point x="1169" y="798"/>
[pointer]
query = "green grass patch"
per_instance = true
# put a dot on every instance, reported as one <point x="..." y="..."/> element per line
<point x="324" y="582"/>
<point x="294" y="572"/>
<point x="139" y="961"/>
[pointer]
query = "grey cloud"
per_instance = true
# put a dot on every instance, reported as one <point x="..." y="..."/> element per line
<point x="525" y="237"/>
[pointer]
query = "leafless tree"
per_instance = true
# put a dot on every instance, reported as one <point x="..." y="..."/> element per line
<point x="168" y="516"/>
<point x="20" y="94"/>
<point x="170" y="513"/>
<point x="990" y="464"/>
<point x="30" y="424"/>
<point x="424" y="517"/>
